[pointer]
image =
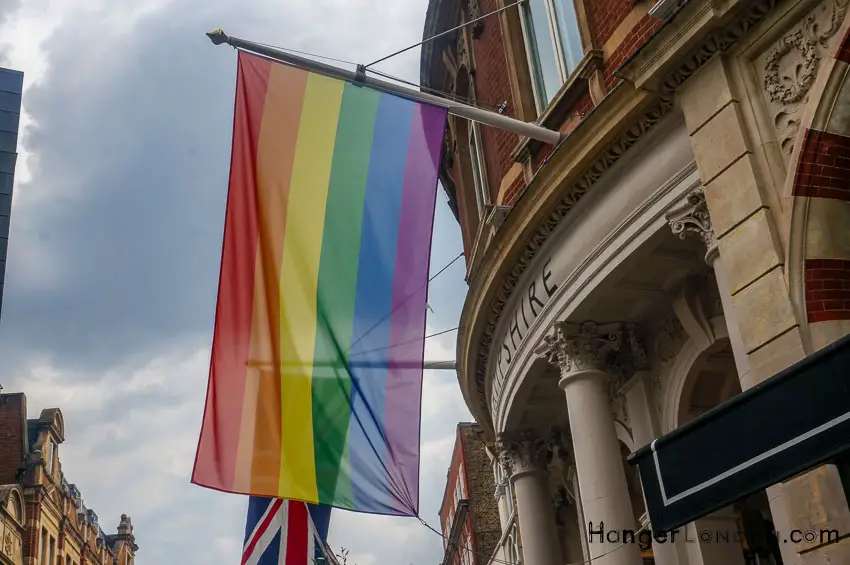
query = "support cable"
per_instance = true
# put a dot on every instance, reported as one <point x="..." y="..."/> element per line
<point x="442" y="33"/>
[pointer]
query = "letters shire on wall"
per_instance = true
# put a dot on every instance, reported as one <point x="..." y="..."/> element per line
<point x="532" y="301"/>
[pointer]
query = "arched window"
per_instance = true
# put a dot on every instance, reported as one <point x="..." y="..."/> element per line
<point x="553" y="43"/>
<point x="15" y="508"/>
<point x="50" y="454"/>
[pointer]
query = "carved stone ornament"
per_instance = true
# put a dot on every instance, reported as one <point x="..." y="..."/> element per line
<point x="578" y="347"/>
<point x="524" y="453"/>
<point x="474" y="14"/>
<point x="691" y="217"/>
<point x="8" y="544"/>
<point x="462" y="50"/>
<point x="791" y="67"/>
<point x="717" y="42"/>
<point x="668" y="338"/>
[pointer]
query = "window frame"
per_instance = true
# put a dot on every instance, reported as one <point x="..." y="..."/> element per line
<point x="479" y="168"/>
<point x="553" y="34"/>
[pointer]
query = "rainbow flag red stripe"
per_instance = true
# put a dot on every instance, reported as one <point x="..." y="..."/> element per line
<point x="316" y="371"/>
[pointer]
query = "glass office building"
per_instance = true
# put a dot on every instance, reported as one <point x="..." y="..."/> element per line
<point x="11" y="88"/>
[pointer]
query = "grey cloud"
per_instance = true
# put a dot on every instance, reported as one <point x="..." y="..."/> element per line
<point x="133" y="144"/>
<point x="131" y="151"/>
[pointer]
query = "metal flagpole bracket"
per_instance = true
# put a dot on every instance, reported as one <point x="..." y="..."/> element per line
<point x="360" y="75"/>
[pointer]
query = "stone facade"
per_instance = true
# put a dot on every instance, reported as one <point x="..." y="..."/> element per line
<point x="686" y="241"/>
<point x="469" y="516"/>
<point x="43" y="520"/>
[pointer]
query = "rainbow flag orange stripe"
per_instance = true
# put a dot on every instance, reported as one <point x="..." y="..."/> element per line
<point x="316" y="371"/>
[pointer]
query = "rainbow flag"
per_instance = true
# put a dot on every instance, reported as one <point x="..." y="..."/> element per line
<point x="316" y="368"/>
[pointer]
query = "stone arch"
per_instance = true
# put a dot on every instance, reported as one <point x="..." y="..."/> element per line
<point x="15" y="505"/>
<point x="59" y="425"/>
<point x="674" y="388"/>
<point x="818" y="241"/>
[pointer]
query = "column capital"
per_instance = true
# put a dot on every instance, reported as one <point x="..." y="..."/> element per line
<point x="691" y="217"/>
<point x="581" y="347"/>
<point x="524" y="453"/>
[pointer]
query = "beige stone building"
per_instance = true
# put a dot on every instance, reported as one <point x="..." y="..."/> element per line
<point x="43" y="520"/>
<point x="688" y="239"/>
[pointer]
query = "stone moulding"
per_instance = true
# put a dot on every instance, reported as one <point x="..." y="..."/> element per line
<point x="718" y="41"/>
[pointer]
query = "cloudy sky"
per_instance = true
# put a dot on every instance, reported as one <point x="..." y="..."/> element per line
<point x="114" y="252"/>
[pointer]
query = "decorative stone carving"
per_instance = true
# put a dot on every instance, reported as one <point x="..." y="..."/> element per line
<point x="474" y="14"/>
<point x="561" y="444"/>
<point x="525" y="453"/>
<point x="578" y="347"/>
<point x="637" y="348"/>
<point x="691" y="217"/>
<point x="668" y="337"/>
<point x="717" y="42"/>
<point x="462" y="49"/>
<point x="791" y="67"/>
<point x="8" y="544"/>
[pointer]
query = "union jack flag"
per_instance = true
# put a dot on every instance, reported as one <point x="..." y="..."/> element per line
<point x="286" y="532"/>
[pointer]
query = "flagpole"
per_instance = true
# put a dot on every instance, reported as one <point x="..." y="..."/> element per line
<point x="458" y="109"/>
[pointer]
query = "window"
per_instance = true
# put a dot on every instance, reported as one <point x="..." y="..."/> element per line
<point x="554" y="45"/>
<point x="15" y="508"/>
<point x="52" y="550"/>
<point x="49" y="458"/>
<point x="43" y="560"/>
<point x="479" y="175"/>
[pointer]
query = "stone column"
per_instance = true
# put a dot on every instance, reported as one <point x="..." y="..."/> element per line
<point x="692" y="217"/>
<point x="526" y="457"/>
<point x="580" y="351"/>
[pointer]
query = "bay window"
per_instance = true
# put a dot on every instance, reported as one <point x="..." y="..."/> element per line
<point x="553" y="43"/>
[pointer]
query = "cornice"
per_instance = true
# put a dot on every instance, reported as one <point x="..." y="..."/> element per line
<point x="598" y="142"/>
<point x="699" y="28"/>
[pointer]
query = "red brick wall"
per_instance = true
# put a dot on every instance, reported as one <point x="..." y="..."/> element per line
<point x="513" y="191"/>
<point x="32" y="533"/>
<point x="639" y="35"/>
<point x="492" y="87"/>
<point x="12" y="417"/>
<point x="451" y="481"/>
<point x="827" y="289"/>
<point x="605" y="15"/>
<point x="824" y="166"/>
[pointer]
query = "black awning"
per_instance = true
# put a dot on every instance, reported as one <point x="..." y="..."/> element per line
<point x="787" y="424"/>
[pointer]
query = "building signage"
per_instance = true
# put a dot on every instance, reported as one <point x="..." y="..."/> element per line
<point x="534" y="298"/>
<point x="787" y="424"/>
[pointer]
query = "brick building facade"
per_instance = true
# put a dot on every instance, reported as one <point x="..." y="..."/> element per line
<point x="685" y="241"/>
<point x="43" y="520"/>
<point x="469" y="517"/>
